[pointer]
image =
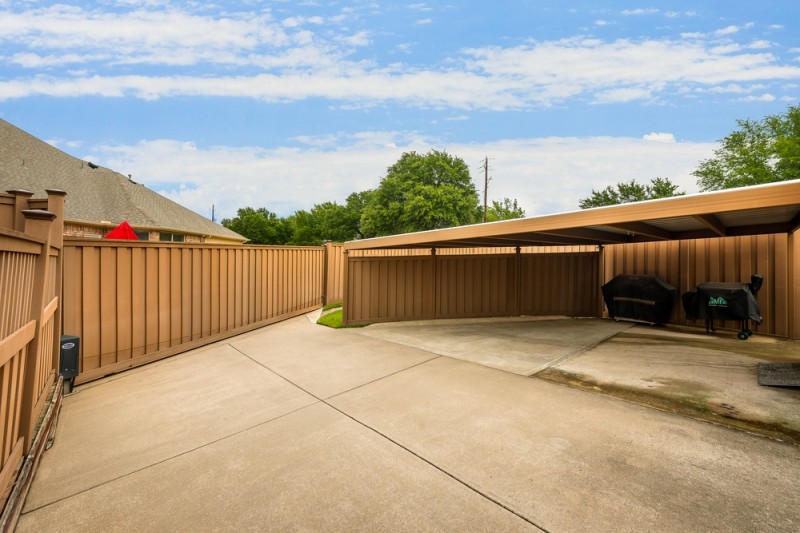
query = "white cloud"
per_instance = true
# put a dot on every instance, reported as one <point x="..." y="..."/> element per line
<point x="252" y="55"/>
<point x="766" y="97"/>
<point x="640" y="11"/>
<point x="546" y="175"/>
<point x="69" y="27"/>
<point x="625" y="94"/>
<point x="729" y="30"/>
<point x="423" y="22"/>
<point x="659" y="137"/>
<point x="759" y="45"/>
<point x="735" y="88"/>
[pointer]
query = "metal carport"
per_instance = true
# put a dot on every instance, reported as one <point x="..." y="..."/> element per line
<point x="746" y="229"/>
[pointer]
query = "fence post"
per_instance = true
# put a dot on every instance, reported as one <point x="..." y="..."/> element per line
<point x="55" y="205"/>
<point x="326" y="272"/>
<point x="21" y="197"/>
<point x="346" y="299"/>
<point x="37" y="224"/>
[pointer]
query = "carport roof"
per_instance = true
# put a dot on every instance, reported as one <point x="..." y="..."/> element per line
<point x="762" y="209"/>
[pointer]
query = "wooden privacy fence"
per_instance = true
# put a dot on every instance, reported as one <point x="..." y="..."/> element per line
<point x="30" y="283"/>
<point x="134" y="302"/>
<point x="334" y="272"/>
<point x="389" y="287"/>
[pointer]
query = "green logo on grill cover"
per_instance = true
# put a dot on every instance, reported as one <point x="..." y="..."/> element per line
<point x="717" y="302"/>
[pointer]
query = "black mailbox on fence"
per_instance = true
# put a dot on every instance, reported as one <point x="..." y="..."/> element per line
<point x="70" y="351"/>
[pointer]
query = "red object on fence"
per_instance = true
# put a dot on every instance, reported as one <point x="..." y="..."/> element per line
<point x="122" y="232"/>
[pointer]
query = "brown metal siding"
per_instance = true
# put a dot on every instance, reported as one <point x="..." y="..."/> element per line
<point x="389" y="288"/>
<point x="476" y="286"/>
<point x="383" y="292"/>
<point x="559" y="284"/>
<point x="685" y="264"/>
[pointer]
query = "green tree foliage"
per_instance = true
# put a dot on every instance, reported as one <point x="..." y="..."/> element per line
<point x="329" y="221"/>
<point x="632" y="191"/>
<point x="760" y="151"/>
<point x="261" y="226"/>
<point x="504" y="210"/>
<point x="421" y="192"/>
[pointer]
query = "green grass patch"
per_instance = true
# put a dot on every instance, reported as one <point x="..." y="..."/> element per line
<point x="334" y="320"/>
<point x="332" y="305"/>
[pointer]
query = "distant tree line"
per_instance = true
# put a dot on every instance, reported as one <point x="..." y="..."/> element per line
<point x="419" y="192"/>
<point x="759" y="151"/>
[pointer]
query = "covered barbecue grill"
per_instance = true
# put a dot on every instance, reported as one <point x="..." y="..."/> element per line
<point x="639" y="298"/>
<point x="725" y="301"/>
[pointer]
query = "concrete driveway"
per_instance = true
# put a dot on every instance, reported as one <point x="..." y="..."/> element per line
<point x="301" y="428"/>
<point x="683" y="370"/>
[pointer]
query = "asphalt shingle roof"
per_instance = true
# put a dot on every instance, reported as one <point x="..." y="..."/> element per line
<point x="94" y="194"/>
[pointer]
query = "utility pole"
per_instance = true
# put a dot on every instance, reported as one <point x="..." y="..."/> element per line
<point x="486" y="180"/>
<point x="212" y="213"/>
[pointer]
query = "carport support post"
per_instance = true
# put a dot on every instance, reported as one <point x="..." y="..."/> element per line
<point x="601" y="278"/>
<point x="345" y="285"/>
<point x="793" y="289"/>
<point x="434" y="284"/>
<point x="518" y="282"/>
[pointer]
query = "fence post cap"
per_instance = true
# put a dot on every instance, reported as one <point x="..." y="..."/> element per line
<point x="20" y="192"/>
<point x="55" y="192"/>
<point x="38" y="214"/>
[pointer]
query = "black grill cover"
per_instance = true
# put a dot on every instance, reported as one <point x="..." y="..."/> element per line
<point x="640" y="298"/>
<point x="722" y="301"/>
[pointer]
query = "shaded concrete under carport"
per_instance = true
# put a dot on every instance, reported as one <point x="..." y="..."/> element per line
<point x="711" y="377"/>
<point x="299" y="427"/>
<point x="522" y="345"/>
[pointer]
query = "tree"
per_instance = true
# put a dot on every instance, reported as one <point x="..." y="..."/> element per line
<point x="626" y="192"/>
<point x="329" y="221"/>
<point x="260" y="225"/>
<point x="421" y="192"/>
<point x="760" y="151"/>
<point x="504" y="210"/>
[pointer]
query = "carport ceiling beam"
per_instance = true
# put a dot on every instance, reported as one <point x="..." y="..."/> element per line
<point x="648" y="230"/>
<point x="760" y="229"/>
<point x="531" y="239"/>
<point x="504" y="241"/>
<point x="586" y="234"/>
<point x="712" y="223"/>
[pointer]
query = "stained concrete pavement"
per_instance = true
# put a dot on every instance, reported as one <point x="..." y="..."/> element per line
<point x="299" y="427"/>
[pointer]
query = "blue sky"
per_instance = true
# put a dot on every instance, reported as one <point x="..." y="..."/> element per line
<point x="287" y="104"/>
